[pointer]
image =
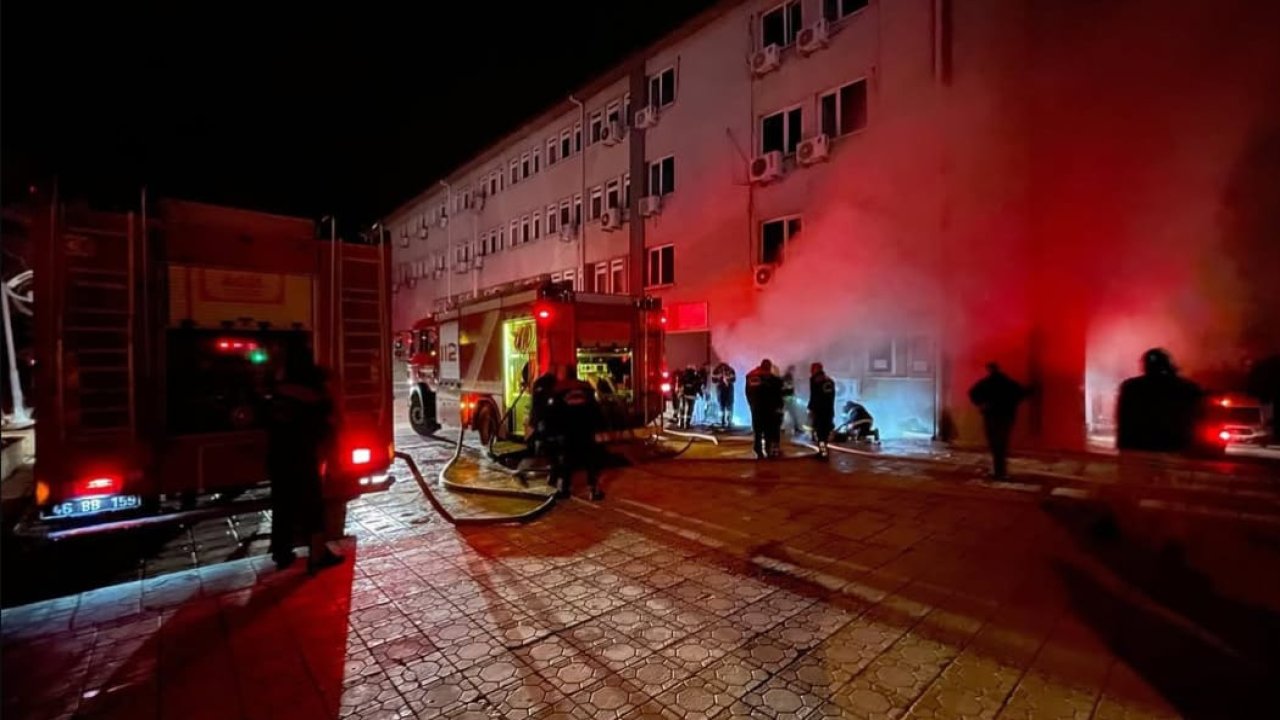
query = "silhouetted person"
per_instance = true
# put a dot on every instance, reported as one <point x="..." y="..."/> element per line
<point x="790" y="413"/>
<point x="764" y="397"/>
<point x="822" y="407"/>
<point x="690" y="388"/>
<point x="299" y="432"/>
<point x="574" y="420"/>
<point x="1158" y="410"/>
<point x="539" y="410"/>
<point x="723" y="378"/>
<point x="859" y="422"/>
<point x="997" y="396"/>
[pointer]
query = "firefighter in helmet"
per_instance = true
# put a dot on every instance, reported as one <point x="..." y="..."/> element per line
<point x="764" y="397"/>
<point x="691" y="383"/>
<point x="574" y="418"/>
<point x="822" y="406"/>
<point x="723" y="379"/>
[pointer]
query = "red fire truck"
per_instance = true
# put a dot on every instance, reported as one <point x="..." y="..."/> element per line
<point x="475" y="362"/>
<point x="159" y="337"/>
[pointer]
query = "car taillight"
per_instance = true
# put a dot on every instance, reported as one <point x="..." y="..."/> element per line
<point x="98" y="485"/>
<point x="1224" y="436"/>
<point x="361" y="456"/>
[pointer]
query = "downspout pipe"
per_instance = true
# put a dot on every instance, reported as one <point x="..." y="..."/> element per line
<point x="582" y="176"/>
<point x="448" y="240"/>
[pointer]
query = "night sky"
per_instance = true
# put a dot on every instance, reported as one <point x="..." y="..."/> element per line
<point x="302" y="110"/>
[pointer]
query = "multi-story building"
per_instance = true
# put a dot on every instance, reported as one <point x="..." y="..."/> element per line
<point x="901" y="189"/>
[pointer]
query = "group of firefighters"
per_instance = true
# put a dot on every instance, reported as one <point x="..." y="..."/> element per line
<point x="772" y="400"/>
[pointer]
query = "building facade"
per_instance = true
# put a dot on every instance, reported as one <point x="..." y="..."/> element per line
<point x="903" y="190"/>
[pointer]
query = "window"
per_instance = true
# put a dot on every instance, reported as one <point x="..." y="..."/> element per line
<point x="836" y="9"/>
<point x="552" y="148"/>
<point x="524" y="229"/>
<point x="515" y="233"/>
<point x="617" y="276"/>
<point x="626" y="109"/>
<point x="502" y="180"/>
<point x="781" y="131"/>
<point x="502" y="240"/>
<point x="662" y="88"/>
<point x="537" y="160"/>
<point x="568" y="277"/>
<point x="845" y="110"/>
<point x="597" y="199"/>
<point x="597" y="127"/>
<point x="537" y="225"/>
<point x="493" y="183"/>
<point x="612" y="195"/>
<point x="661" y="269"/>
<point x="515" y="171"/>
<point x="662" y="176"/>
<point x="577" y="137"/>
<point x="780" y="25"/>
<point x="524" y="166"/>
<point x="602" y="277"/>
<point x="577" y="210"/>
<point x="880" y="357"/>
<point x="612" y="113"/>
<point x="483" y="247"/>
<point x="774" y="237"/>
<point x="626" y="190"/>
<point x="564" y="212"/>
<point x="565" y="147"/>
<point x="552" y="218"/>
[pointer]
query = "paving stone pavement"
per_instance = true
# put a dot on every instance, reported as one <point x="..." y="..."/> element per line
<point x="697" y="589"/>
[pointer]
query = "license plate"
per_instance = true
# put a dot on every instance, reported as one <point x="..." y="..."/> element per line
<point x="81" y="507"/>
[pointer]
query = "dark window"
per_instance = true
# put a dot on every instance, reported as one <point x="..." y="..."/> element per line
<point x="597" y="128"/>
<point x="524" y="166"/>
<point x="552" y="147"/>
<point x="661" y="266"/>
<point x="537" y="156"/>
<point x="577" y="138"/>
<point x="845" y="110"/>
<point x="780" y="25"/>
<point x="662" y="88"/>
<point x="595" y="204"/>
<point x="781" y="131"/>
<point x="611" y="195"/>
<point x="836" y="9"/>
<point x="515" y="173"/>
<point x="775" y="235"/>
<point x="564" y="214"/>
<point x="662" y="176"/>
<point x="613" y="116"/>
<point x="565" y="147"/>
<point x="577" y="211"/>
<point x="626" y="191"/>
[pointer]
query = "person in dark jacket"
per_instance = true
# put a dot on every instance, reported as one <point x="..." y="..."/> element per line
<point x="997" y="396"/>
<point x="299" y="432"/>
<point x="1158" y="410"/>
<point x="790" y="413"/>
<point x="574" y="421"/>
<point x="691" y="383"/>
<point x="822" y="407"/>
<point x="539" y="404"/>
<point x="764" y="397"/>
<point x="723" y="378"/>
<point x="859" y="423"/>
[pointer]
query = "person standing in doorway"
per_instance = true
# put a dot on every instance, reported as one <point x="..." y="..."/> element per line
<point x="997" y="397"/>
<point x="724" y="378"/>
<point x="822" y="407"/>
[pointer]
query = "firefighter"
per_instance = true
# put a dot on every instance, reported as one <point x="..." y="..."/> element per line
<point x="764" y="397"/>
<point x="859" y="423"/>
<point x="539" y="399"/>
<point x="1158" y="410"/>
<point x="997" y="396"/>
<point x="790" y="413"/>
<point x="574" y="420"/>
<point x="300" y="431"/>
<point x="691" y="383"/>
<point x="822" y="407"/>
<point x="723" y="379"/>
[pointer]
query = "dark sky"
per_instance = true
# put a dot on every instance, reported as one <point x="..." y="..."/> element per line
<point x="287" y="107"/>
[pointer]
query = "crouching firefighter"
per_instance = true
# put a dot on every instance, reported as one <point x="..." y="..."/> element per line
<point x="822" y="407"/>
<point x="574" y="420"/>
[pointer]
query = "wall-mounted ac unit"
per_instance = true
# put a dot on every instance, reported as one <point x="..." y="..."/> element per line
<point x="814" y="150"/>
<point x="650" y="205"/>
<point x="422" y="232"/>
<point x="767" y="59"/>
<point x="443" y="221"/>
<point x="611" y="219"/>
<point x="763" y="274"/>
<point x="767" y="167"/>
<point x="404" y="237"/>
<point x="477" y="202"/>
<point x="611" y="133"/>
<point x="814" y="38"/>
<point x="646" y="117"/>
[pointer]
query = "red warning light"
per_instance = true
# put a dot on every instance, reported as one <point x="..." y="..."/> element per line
<point x="1224" y="436"/>
<point x="544" y="314"/>
<point x="1225" y="402"/>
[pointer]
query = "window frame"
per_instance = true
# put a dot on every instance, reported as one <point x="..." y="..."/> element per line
<point x="669" y="276"/>
<point x="787" y="233"/>
<point x="515" y="171"/>
<point x="566" y="210"/>
<point x="839" y="13"/>
<point x="601" y="277"/>
<point x="537" y="225"/>
<point x="618" y="271"/>
<point x="664" y="181"/>
<point x="524" y="230"/>
<point x="595" y="127"/>
<point x="553" y="218"/>
<point x="656" y="77"/>
<point x="613" y="188"/>
<point x="515" y="234"/>
<point x="839" y="119"/>
<point x="789" y="33"/>
<point x="786" y="129"/>
<point x="524" y="166"/>
<point x="577" y="138"/>
<point x="577" y="210"/>
<point x="595" y="208"/>
<point x="613" y="112"/>
<point x="566" y="144"/>
<point x="537" y="160"/>
<point x="553" y="148"/>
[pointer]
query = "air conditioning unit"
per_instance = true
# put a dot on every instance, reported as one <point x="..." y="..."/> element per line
<point x="611" y="219"/>
<point x="443" y="221"/>
<point x="814" y="150"/>
<point x="766" y="167"/>
<point x="422" y="232"/>
<point x="767" y="59"/>
<point x="477" y="202"/>
<point x="814" y="38"/>
<point x="763" y="274"/>
<point x="650" y="205"/>
<point x="611" y="133"/>
<point x="568" y="231"/>
<point x="646" y="118"/>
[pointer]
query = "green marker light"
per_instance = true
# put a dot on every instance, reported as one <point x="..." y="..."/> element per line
<point x="257" y="356"/>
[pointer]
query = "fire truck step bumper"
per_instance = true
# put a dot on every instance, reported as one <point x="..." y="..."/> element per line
<point x="41" y="530"/>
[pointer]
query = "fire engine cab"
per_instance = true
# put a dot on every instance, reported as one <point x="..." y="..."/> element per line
<point x="163" y="336"/>
<point x="473" y="363"/>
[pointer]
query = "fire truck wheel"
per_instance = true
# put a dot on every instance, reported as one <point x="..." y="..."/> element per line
<point x="486" y="423"/>
<point x="418" y="416"/>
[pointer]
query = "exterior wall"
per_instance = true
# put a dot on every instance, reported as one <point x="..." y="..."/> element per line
<point x="1010" y="147"/>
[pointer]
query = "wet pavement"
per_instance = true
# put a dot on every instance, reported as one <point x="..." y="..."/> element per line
<point x="707" y="586"/>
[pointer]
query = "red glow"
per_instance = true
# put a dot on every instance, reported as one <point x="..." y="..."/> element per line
<point x="1224" y="436"/>
<point x="361" y="456"/>
<point x="665" y="387"/>
<point x="544" y="314"/>
<point x="99" y="485"/>
<point x="1225" y="402"/>
<point x="236" y="344"/>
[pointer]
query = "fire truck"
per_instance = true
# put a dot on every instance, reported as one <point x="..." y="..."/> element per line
<point x="473" y="363"/>
<point x="160" y="335"/>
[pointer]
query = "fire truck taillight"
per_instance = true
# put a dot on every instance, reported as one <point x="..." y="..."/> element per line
<point x="98" y="485"/>
<point x="544" y="314"/>
<point x="1224" y="436"/>
<point x="665" y="387"/>
<point x="361" y="456"/>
